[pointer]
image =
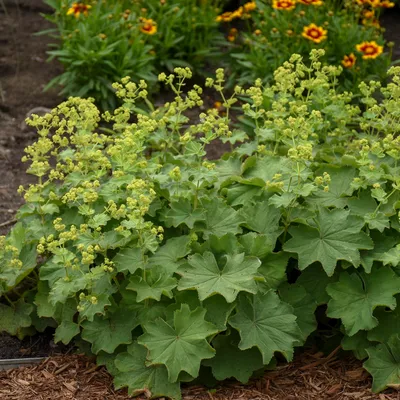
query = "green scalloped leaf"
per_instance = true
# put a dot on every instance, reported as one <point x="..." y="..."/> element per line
<point x="204" y="275"/>
<point x="355" y="296"/>
<point x="304" y="307"/>
<point x="157" y="282"/>
<point x="182" y="212"/>
<point x="266" y="322"/>
<point x="221" y="219"/>
<point x="14" y="318"/>
<point x="129" y="260"/>
<point x="182" y="345"/>
<point x="384" y="364"/>
<point x="107" y="333"/>
<point x="334" y="236"/>
<point x="140" y="378"/>
<point x="231" y="362"/>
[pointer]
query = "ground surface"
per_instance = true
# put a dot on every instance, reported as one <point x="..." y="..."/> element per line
<point x="23" y="74"/>
<point x="309" y="377"/>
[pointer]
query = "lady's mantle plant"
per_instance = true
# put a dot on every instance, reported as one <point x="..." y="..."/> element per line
<point x="167" y="263"/>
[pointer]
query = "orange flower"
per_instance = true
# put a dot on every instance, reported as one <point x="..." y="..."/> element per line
<point x="314" y="33"/>
<point x="250" y="6"/>
<point x="232" y="35"/>
<point x="385" y="4"/>
<point x="228" y="16"/>
<point x="369" y="14"/>
<point x="79" y="8"/>
<point x="373" y="3"/>
<point x="312" y="2"/>
<point x="369" y="50"/>
<point x="284" y="4"/>
<point x="371" y="22"/>
<point x="149" y="27"/>
<point x="237" y="13"/>
<point x="225" y="17"/>
<point x="349" y="61"/>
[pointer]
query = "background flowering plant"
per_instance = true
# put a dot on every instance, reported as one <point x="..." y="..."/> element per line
<point x="349" y="34"/>
<point x="165" y="264"/>
<point x="99" y="42"/>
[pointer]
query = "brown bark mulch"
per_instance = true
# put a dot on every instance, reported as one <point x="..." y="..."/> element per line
<point x="310" y="376"/>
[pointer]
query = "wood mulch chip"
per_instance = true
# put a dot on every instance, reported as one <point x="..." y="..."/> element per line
<point x="310" y="376"/>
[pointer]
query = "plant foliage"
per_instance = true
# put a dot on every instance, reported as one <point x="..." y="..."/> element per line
<point x="167" y="263"/>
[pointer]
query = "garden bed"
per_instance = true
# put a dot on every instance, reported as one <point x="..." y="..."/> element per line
<point x="24" y="73"/>
<point x="310" y="376"/>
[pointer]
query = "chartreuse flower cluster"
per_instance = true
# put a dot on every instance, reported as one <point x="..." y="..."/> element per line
<point x="101" y="41"/>
<point x="349" y="33"/>
<point x="164" y="262"/>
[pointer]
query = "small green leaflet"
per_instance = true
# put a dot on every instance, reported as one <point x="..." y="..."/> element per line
<point x="90" y="309"/>
<point x="389" y="323"/>
<point x="273" y="271"/>
<point x="218" y="311"/>
<point x="169" y="255"/>
<point x="180" y="347"/>
<point x="44" y="308"/>
<point x="231" y="362"/>
<point x="221" y="219"/>
<point x="129" y="260"/>
<point x="304" y="307"/>
<point x="12" y="319"/>
<point x="263" y="218"/>
<point x="266" y="167"/>
<point x="357" y="343"/>
<point x="377" y="220"/>
<point x="315" y="281"/>
<point x="339" y="187"/>
<point x="64" y="288"/>
<point x="153" y="285"/>
<point x="355" y="296"/>
<point x="220" y="245"/>
<point x="107" y="334"/>
<point x="139" y="378"/>
<point x="204" y="275"/>
<point x="266" y="322"/>
<point x="335" y="236"/>
<point x="182" y="212"/>
<point x="257" y="245"/>
<point x="383" y="251"/>
<point x="384" y="364"/>
<point x="66" y="331"/>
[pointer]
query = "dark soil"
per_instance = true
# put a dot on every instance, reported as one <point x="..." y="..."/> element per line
<point x="24" y="73"/>
<point x="40" y="345"/>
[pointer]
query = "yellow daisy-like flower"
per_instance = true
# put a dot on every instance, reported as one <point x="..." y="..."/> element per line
<point x="232" y="35"/>
<point x="349" y="61"/>
<point x="315" y="33"/>
<point x="371" y="22"/>
<point x="370" y="50"/>
<point x="238" y="13"/>
<point x="229" y="16"/>
<point x="250" y="6"/>
<point x="386" y="4"/>
<point x="149" y="27"/>
<point x="369" y="14"/>
<point x="286" y="5"/>
<point x="311" y="2"/>
<point x="79" y="8"/>
<point x="373" y="3"/>
<point x="225" y="17"/>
